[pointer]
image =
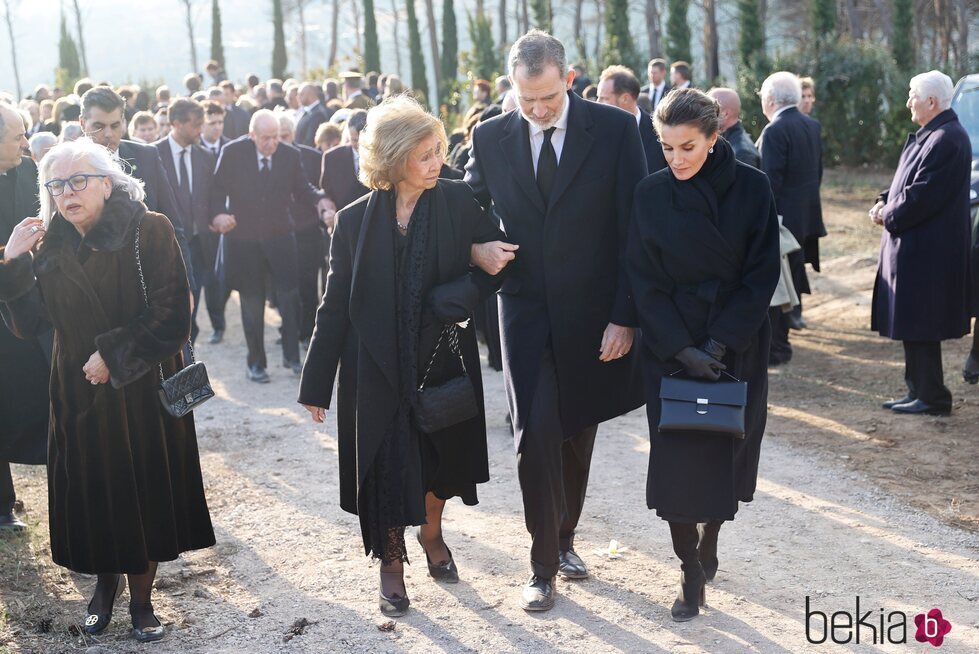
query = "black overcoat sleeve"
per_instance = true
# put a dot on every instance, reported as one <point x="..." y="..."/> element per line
<point x="474" y="174"/>
<point x="774" y="153"/>
<point x="169" y="208"/>
<point x="926" y="196"/>
<point x="302" y="190"/>
<point x="220" y="185"/>
<point x="630" y="171"/>
<point x="21" y="302"/>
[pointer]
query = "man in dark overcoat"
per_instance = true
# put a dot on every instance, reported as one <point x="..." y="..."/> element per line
<point x="341" y="165"/>
<point x="257" y="180"/>
<point x="560" y="174"/>
<point x="619" y="87"/>
<point x="312" y="114"/>
<point x="731" y="128"/>
<point x="236" y="118"/>
<point x="24" y="387"/>
<point x="921" y="294"/>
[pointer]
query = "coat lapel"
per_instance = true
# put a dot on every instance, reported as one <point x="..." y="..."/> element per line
<point x="577" y="144"/>
<point x="516" y="151"/>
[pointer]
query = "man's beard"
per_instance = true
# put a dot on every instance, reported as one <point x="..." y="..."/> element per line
<point x="546" y="125"/>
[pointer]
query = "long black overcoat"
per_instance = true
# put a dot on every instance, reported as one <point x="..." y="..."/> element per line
<point x="124" y="477"/>
<point x="693" y="279"/>
<point x="922" y="288"/>
<point x="568" y="281"/>
<point x="356" y="332"/>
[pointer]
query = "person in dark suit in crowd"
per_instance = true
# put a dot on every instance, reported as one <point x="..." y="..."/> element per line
<point x="653" y="93"/>
<point x="400" y="276"/>
<point x="216" y="290"/>
<point x="581" y="79"/>
<point x="102" y="120"/>
<point x="340" y="172"/>
<point x="216" y="72"/>
<point x="731" y="128"/>
<point x="681" y="74"/>
<point x="328" y="136"/>
<point x="792" y="157"/>
<point x="235" y="118"/>
<point x="24" y="390"/>
<point x="212" y="131"/>
<point x="703" y="260"/>
<point x="921" y="293"/>
<point x="560" y="174"/>
<point x="374" y="85"/>
<point x="619" y="87"/>
<point x="353" y="91"/>
<point x="190" y="169"/>
<point x="192" y="82"/>
<point x="254" y="184"/>
<point x="276" y="96"/>
<point x="311" y="115"/>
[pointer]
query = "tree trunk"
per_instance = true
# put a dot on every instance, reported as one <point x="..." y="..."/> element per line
<point x="303" y="50"/>
<point x="711" y="50"/>
<point x="360" y="45"/>
<point x="763" y="21"/>
<point x="397" y="38"/>
<point x="81" y="38"/>
<point x="524" y="17"/>
<point x="853" y="18"/>
<point x="433" y="42"/>
<point x="503" y="26"/>
<point x="334" y="31"/>
<point x="653" y="30"/>
<point x="600" y="20"/>
<point x="8" y="7"/>
<point x="190" y="34"/>
<point x="884" y="11"/>
<point x="962" y="20"/>
<point x="579" y="41"/>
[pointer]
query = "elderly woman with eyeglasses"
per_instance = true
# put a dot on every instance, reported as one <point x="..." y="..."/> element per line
<point x="125" y="487"/>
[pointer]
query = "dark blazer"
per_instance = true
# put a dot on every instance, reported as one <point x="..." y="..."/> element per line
<point x="568" y="280"/>
<point x="655" y="160"/>
<point x="198" y="206"/>
<point x="645" y="103"/>
<point x="338" y="178"/>
<point x="26" y="363"/>
<point x="744" y="148"/>
<point x="146" y="165"/>
<point x="309" y="123"/>
<point x="792" y="157"/>
<point x="356" y="332"/>
<point x="921" y="292"/>
<point x="236" y="121"/>
<point x="305" y="215"/>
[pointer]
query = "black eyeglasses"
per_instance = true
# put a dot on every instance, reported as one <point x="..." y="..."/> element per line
<point x="78" y="183"/>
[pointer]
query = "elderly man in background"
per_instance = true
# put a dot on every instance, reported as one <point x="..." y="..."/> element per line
<point x="40" y="143"/>
<point x="792" y="157"/>
<point x="731" y="128"/>
<point x="619" y="87"/>
<point x="921" y="294"/>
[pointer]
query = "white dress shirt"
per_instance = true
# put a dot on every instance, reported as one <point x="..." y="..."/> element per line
<point x="557" y="137"/>
<point x="212" y="147"/>
<point x="175" y="150"/>
<point x="260" y="157"/>
<point x="356" y="161"/>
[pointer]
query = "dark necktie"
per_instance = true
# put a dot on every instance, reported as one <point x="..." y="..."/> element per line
<point x="184" y="176"/>
<point x="546" y="166"/>
<point x="655" y="97"/>
<point x="265" y="169"/>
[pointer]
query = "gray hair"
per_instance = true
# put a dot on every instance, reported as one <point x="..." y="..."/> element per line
<point x="357" y="120"/>
<point x="98" y="157"/>
<point x="286" y="121"/>
<point x="101" y="97"/>
<point x="258" y="116"/>
<point x="40" y="142"/>
<point x="783" y="88"/>
<point x="536" y="50"/>
<point x="934" y="84"/>
<point x="71" y="131"/>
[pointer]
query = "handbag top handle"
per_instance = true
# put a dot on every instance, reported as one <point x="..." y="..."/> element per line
<point x="453" y="331"/>
<point x="723" y="372"/>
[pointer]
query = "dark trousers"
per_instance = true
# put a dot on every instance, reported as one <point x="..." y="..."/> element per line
<point x="553" y="470"/>
<point x="216" y="289"/>
<point x="309" y="248"/>
<point x="781" y="349"/>
<point x="923" y="373"/>
<point x="252" y="295"/>
<point x="7" y="494"/>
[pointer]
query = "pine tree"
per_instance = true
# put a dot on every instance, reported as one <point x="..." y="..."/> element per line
<point x="217" y="45"/>
<point x="372" y="51"/>
<point x="823" y="19"/>
<point x="542" y="14"/>
<point x="678" y="31"/>
<point x="450" y="50"/>
<point x="751" y="42"/>
<point x="619" y="47"/>
<point x="419" y="77"/>
<point x="279" y="58"/>
<point x="69" y="66"/>
<point x="902" y="47"/>
<point x="483" y="61"/>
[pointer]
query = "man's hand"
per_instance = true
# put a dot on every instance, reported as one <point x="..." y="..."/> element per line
<point x="328" y="213"/>
<point x="875" y="213"/>
<point x="492" y="257"/>
<point x="223" y="223"/>
<point x="95" y="369"/>
<point x="318" y="413"/>
<point x="616" y="342"/>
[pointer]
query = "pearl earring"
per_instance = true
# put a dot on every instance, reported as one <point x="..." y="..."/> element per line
<point x="711" y="151"/>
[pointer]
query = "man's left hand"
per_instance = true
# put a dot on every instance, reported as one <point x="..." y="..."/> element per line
<point x="616" y="342"/>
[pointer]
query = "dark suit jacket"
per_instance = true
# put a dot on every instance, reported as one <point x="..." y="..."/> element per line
<point x="146" y="165"/>
<point x="645" y="103"/>
<point x="744" y="150"/>
<point x="305" y="215"/>
<point x="792" y="157"/>
<point x="198" y="206"/>
<point x="338" y="179"/>
<point x="236" y="122"/>
<point x="309" y="123"/>
<point x="568" y="281"/>
<point x="650" y="143"/>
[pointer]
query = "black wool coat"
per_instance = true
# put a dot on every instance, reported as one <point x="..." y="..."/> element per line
<point x="338" y="177"/>
<point x="568" y="281"/>
<point x="921" y="292"/>
<point x="695" y="278"/>
<point x="744" y="148"/>
<point x="124" y="477"/>
<point x="27" y="363"/>
<point x="655" y="159"/>
<point x="356" y="334"/>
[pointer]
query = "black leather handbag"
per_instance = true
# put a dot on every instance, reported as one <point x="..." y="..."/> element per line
<point x="187" y="388"/>
<point x="703" y="406"/>
<point x="452" y="401"/>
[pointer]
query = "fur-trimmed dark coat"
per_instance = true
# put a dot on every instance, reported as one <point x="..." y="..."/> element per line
<point x="124" y="476"/>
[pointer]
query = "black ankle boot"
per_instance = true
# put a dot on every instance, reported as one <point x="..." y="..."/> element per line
<point x="707" y="547"/>
<point x="692" y="595"/>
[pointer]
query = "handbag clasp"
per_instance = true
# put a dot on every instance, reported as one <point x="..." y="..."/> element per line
<point x="702" y="403"/>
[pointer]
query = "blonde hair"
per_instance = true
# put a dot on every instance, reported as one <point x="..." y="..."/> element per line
<point x="394" y="128"/>
<point x="98" y="157"/>
<point x="807" y="83"/>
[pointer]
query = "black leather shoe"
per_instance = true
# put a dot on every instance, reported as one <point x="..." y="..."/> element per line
<point x="970" y="371"/>
<point x="570" y="565"/>
<point x="96" y="623"/>
<point x="11" y="524"/>
<point x="295" y="366"/>
<point x="394" y="606"/>
<point x="447" y="571"/>
<point x="796" y="322"/>
<point x="918" y="407"/>
<point x="538" y="594"/>
<point x="258" y="375"/>
<point x="691" y="597"/>
<point x="216" y="337"/>
<point x="147" y="634"/>
<point x="890" y="404"/>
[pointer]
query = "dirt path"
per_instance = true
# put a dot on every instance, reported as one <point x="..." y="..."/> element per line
<point x="851" y="502"/>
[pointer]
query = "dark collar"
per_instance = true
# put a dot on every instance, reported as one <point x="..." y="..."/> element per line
<point x="941" y="119"/>
<point x="734" y="130"/>
<point x="110" y="233"/>
<point x="791" y="111"/>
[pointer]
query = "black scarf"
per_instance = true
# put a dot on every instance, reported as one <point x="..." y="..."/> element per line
<point x="701" y="192"/>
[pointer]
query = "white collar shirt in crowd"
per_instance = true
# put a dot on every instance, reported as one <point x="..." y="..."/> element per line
<point x="557" y="137"/>
<point x="356" y="161"/>
<point x="638" y="116"/>
<point x="305" y="110"/>
<point x="175" y="150"/>
<point x="260" y="157"/>
<point x="212" y="147"/>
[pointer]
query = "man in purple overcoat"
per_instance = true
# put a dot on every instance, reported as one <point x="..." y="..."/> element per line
<point x="921" y="294"/>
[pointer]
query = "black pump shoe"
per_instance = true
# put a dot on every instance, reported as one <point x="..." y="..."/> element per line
<point x="394" y="606"/>
<point x="692" y="596"/>
<point x="147" y="634"/>
<point x="95" y="623"/>
<point x="446" y="572"/>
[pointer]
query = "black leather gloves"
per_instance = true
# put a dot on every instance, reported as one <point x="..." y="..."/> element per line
<point x="714" y="348"/>
<point x="697" y="363"/>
